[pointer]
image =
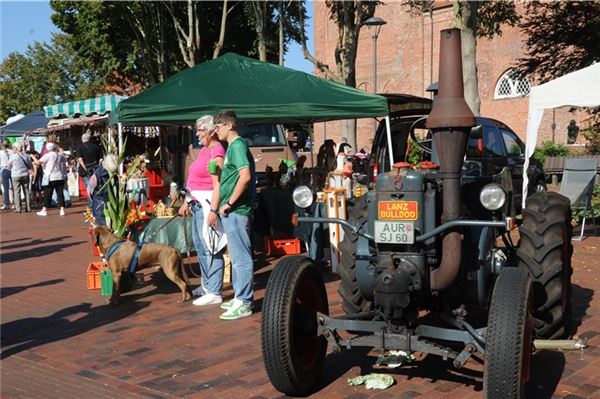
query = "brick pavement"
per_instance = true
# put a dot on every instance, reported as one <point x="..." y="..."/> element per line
<point x="59" y="340"/>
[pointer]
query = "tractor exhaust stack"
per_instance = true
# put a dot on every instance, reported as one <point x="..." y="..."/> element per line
<point x="450" y="120"/>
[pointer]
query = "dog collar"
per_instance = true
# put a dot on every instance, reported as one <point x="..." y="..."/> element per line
<point x="112" y="249"/>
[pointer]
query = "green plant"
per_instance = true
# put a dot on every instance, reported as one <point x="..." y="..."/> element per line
<point x="592" y="135"/>
<point x="415" y="154"/>
<point x="579" y="213"/>
<point x="550" y="149"/>
<point x="117" y="207"/>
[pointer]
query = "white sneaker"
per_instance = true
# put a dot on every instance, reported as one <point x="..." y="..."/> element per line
<point x="199" y="291"/>
<point x="62" y="212"/>
<point x="42" y="213"/>
<point x="3" y="207"/>
<point x="208" y="299"/>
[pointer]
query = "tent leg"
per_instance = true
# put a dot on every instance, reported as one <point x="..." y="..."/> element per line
<point x="120" y="129"/>
<point x="388" y="131"/>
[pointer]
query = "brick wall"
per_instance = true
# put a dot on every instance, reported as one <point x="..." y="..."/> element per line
<point x="408" y="63"/>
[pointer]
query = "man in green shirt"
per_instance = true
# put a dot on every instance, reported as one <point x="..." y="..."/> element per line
<point x="238" y="190"/>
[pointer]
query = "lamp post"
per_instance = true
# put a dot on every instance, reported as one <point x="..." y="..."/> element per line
<point x="374" y="25"/>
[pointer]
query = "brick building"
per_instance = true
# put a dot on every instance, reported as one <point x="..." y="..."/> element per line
<point x="408" y="56"/>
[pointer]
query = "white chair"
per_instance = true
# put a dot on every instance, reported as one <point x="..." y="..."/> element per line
<point x="578" y="185"/>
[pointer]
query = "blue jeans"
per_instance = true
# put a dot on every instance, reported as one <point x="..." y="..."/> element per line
<point x="86" y="180"/>
<point x="237" y="228"/>
<point x="98" y="211"/>
<point x="6" y="186"/>
<point x="211" y="266"/>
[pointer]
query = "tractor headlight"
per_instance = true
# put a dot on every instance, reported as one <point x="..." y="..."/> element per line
<point x="492" y="197"/>
<point x="303" y="197"/>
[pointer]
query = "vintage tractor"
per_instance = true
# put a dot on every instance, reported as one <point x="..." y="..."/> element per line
<point x="428" y="265"/>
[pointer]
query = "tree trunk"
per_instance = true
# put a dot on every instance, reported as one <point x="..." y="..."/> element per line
<point x="260" y="15"/>
<point x="466" y="19"/>
<point x="281" y="13"/>
<point x="221" y="41"/>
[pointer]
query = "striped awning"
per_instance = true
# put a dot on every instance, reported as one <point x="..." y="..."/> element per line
<point x="99" y="105"/>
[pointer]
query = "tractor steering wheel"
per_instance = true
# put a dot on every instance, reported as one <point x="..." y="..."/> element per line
<point x="420" y="143"/>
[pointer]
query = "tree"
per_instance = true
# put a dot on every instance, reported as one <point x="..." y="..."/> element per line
<point x="349" y="17"/>
<point x="562" y="37"/>
<point x="145" y="42"/>
<point x="475" y="19"/>
<point x="45" y="74"/>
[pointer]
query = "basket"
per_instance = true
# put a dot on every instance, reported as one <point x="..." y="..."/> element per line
<point x="93" y="274"/>
<point x="281" y="246"/>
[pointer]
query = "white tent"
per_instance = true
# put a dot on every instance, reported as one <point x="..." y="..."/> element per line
<point x="576" y="89"/>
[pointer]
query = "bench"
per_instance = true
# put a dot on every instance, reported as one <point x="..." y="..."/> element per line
<point x="554" y="166"/>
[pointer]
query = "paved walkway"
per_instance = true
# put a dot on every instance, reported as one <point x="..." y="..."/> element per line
<point x="59" y="340"/>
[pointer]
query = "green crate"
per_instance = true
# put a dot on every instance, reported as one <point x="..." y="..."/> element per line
<point x="106" y="282"/>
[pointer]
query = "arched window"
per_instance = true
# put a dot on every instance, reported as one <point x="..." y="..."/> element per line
<point x="511" y="85"/>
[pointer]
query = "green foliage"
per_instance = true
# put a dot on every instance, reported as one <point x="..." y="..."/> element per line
<point x="139" y="42"/>
<point x="550" y="149"/>
<point x="578" y="214"/>
<point x="592" y="135"/>
<point x="47" y="73"/>
<point x="415" y="154"/>
<point x="562" y="37"/>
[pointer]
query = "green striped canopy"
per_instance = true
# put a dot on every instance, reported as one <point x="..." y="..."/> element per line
<point x="98" y="105"/>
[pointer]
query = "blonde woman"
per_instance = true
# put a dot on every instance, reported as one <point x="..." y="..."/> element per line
<point x="203" y="202"/>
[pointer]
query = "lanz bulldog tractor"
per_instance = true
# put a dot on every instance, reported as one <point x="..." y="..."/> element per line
<point x="426" y="267"/>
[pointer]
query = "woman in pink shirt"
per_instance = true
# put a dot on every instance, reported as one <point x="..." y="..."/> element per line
<point x="203" y="202"/>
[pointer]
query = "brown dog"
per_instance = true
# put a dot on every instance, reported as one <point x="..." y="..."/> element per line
<point x="152" y="254"/>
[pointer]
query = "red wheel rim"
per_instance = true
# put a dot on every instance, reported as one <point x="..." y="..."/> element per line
<point x="306" y="344"/>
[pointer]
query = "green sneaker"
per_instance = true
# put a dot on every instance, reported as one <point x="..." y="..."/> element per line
<point x="237" y="310"/>
<point x="227" y="305"/>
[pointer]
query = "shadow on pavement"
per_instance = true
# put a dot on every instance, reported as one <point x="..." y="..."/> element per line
<point x="23" y="334"/>
<point x="37" y="252"/>
<point x="546" y="370"/>
<point x="15" y="240"/>
<point x="33" y="242"/>
<point x="8" y="291"/>
<point x="581" y="298"/>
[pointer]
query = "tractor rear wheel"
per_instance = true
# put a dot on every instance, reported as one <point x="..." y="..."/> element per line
<point x="293" y="353"/>
<point x="352" y="300"/>
<point x="509" y="337"/>
<point x="545" y="252"/>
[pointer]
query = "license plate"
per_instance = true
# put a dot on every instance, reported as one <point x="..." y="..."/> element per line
<point x="398" y="210"/>
<point x="394" y="232"/>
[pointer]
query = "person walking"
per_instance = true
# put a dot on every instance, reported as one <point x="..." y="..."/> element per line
<point x="238" y="191"/>
<point x="96" y="190"/>
<point x="203" y="202"/>
<point x="20" y="164"/>
<point x="88" y="158"/>
<point x="5" y="155"/>
<point x="55" y="170"/>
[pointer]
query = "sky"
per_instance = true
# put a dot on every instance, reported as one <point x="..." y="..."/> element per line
<point x="23" y="22"/>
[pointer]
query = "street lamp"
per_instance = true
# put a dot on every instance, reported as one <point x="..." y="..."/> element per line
<point x="374" y="25"/>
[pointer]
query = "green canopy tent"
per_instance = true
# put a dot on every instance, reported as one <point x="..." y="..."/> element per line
<point x="257" y="91"/>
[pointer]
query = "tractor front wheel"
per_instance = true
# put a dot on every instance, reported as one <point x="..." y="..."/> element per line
<point x="293" y="353"/>
<point x="509" y="337"/>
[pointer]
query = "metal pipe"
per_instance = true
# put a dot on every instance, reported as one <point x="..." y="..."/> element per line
<point x="450" y="120"/>
<point x="424" y="237"/>
<point x="388" y="132"/>
<point x="564" y="344"/>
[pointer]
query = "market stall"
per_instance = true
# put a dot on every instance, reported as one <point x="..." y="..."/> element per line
<point x="259" y="92"/>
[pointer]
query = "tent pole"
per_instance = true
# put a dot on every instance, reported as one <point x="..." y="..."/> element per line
<point x="388" y="131"/>
<point x="120" y="129"/>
